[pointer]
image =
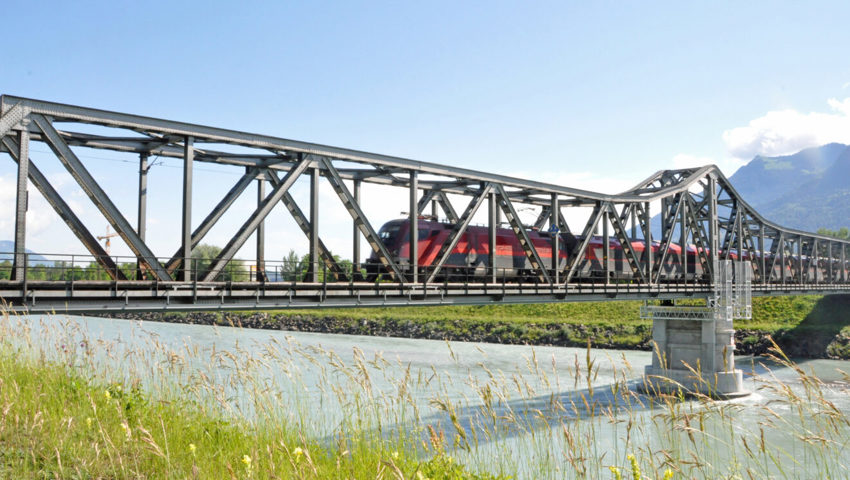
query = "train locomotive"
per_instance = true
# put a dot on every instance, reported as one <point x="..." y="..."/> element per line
<point x="469" y="260"/>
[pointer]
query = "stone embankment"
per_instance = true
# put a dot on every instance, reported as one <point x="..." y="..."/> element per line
<point x="629" y="337"/>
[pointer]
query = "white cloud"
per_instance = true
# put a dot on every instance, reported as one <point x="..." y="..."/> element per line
<point x="783" y="132"/>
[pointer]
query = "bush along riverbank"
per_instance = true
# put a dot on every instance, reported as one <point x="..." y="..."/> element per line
<point x="805" y="327"/>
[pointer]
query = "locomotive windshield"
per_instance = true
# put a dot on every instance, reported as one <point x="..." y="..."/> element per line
<point x="389" y="232"/>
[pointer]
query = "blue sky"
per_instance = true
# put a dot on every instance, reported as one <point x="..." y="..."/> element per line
<point x="595" y="95"/>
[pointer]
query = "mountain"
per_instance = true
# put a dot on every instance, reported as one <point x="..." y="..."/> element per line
<point x="7" y="249"/>
<point x="807" y="190"/>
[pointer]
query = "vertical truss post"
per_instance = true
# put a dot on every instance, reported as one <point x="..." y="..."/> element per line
<point x="765" y="275"/>
<point x="188" y="161"/>
<point x="355" y="235"/>
<point x="843" y="264"/>
<point x="414" y="226"/>
<point x="647" y="241"/>
<point x="331" y="266"/>
<point x="314" y="225"/>
<point x="683" y="233"/>
<point x="556" y="237"/>
<point x="65" y="213"/>
<point x="213" y="217"/>
<point x="492" y="222"/>
<point x="782" y="246"/>
<point x="261" y="234"/>
<point x="606" y="245"/>
<point x="800" y="258"/>
<point x="142" y="216"/>
<point x="830" y="249"/>
<point x="21" y="200"/>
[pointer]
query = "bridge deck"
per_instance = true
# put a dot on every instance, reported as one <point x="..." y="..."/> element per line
<point x="100" y="296"/>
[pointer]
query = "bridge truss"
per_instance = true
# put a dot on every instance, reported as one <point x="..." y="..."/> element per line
<point x="634" y="235"/>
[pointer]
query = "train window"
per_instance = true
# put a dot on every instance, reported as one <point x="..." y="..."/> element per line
<point x="423" y="234"/>
<point x="389" y="232"/>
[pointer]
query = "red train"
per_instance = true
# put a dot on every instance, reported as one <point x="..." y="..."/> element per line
<point x="471" y="256"/>
<point x="470" y="259"/>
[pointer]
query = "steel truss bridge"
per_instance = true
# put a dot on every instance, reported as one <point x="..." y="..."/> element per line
<point x="695" y="206"/>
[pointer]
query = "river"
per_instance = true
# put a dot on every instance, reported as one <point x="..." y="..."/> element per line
<point x="531" y="412"/>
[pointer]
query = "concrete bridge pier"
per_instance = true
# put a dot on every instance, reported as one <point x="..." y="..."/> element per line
<point x="695" y="345"/>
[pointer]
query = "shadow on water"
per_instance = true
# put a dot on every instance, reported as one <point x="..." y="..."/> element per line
<point x="812" y="336"/>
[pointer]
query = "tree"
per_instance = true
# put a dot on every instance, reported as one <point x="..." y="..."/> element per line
<point x="843" y="233"/>
<point x="203" y="257"/>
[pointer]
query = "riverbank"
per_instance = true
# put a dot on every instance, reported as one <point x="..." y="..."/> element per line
<point x="805" y="326"/>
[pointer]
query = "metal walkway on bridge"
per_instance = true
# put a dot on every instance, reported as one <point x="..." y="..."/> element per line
<point x="656" y="240"/>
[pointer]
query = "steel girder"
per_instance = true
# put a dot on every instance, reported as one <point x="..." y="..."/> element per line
<point x="693" y="215"/>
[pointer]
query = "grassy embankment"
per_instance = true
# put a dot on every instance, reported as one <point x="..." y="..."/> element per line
<point x="816" y="320"/>
<point x="61" y="419"/>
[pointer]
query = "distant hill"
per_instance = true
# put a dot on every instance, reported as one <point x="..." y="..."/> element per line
<point x="7" y="248"/>
<point x="807" y="190"/>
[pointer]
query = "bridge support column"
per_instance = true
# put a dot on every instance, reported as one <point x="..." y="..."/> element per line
<point x="695" y="346"/>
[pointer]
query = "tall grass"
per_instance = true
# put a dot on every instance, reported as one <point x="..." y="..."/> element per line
<point x="261" y="405"/>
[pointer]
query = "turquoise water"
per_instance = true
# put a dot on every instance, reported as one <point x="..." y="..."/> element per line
<point x="535" y="412"/>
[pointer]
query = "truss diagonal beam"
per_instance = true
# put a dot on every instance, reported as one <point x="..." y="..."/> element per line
<point x="447" y="207"/>
<point x="424" y="201"/>
<point x="667" y="234"/>
<point x="255" y="219"/>
<point x="305" y="226"/>
<point x="213" y="217"/>
<point x="522" y="235"/>
<point x="65" y="213"/>
<point x="700" y="236"/>
<point x="625" y="242"/>
<point x="458" y="231"/>
<point x="578" y="252"/>
<point x="360" y="220"/>
<point x="99" y="197"/>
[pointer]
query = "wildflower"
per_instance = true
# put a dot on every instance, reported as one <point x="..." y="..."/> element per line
<point x="126" y="429"/>
<point x="88" y="422"/>
<point x="616" y="472"/>
<point x="668" y="474"/>
<point x="107" y="395"/>
<point x="419" y="476"/>
<point x="395" y="455"/>
<point x="246" y="460"/>
<point x="635" y="467"/>
<point x="298" y="452"/>
<point x="192" y="448"/>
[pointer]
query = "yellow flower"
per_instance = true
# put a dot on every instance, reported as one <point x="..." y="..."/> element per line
<point x="616" y="472"/>
<point x="246" y="460"/>
<point x="395" y="455"/>
<point x="107" y="394"/>
<point x="635" y="467"/>
<point x="126" y="429"/>
<point x="298" y="452"/>
<point x="192" y="448"/>
<point x="668" y="474"/>
<point x="88" y="422"/>
<point x="419" y="476"/>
